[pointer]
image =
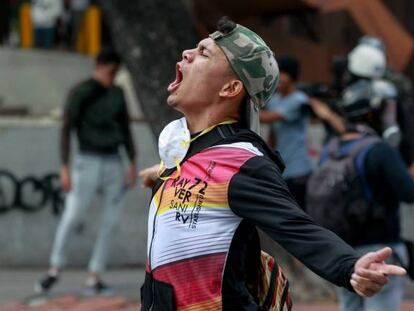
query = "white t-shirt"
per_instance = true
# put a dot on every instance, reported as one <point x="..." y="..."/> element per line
<point x="46" y="12"/>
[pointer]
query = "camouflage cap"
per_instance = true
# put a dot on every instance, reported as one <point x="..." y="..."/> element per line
<point x="252" y="61"/>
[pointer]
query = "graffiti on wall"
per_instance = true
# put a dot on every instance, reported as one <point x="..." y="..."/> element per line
<point x="31" y="193"/>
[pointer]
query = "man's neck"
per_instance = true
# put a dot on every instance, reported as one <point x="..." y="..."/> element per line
<point x="199" y="122"/>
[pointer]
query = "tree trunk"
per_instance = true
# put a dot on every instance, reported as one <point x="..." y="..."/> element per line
<point x="150" y="35"/>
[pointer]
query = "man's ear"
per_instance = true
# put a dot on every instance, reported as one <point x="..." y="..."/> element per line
<point x="231" y="89"/>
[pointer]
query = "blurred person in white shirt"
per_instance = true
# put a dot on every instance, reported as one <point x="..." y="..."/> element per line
<point x="45" y="14"/>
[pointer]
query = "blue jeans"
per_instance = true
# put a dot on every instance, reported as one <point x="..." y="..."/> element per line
<point x="90" y="173"/>
<point x="389" y="299"/>
<point x="44" y="37"/>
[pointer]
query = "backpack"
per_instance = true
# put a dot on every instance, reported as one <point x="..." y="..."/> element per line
<point x="273" y="289"/>
<point x="338" y="196"/>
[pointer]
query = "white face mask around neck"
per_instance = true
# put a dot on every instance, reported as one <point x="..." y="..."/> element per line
<point x="174" y="142"/>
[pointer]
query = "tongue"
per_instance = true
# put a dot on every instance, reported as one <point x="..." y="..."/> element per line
<point x="174" y="85"/>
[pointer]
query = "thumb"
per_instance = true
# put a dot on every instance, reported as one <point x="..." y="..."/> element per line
<point x="378" y="256"/>
<point x="383" y="254"/>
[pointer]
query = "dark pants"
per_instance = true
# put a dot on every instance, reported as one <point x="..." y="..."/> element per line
<point x="4" y="20"/>
<point x="44" y="37"/>
<point x="297" y="186"/>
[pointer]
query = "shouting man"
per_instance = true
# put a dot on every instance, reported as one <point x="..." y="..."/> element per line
<point x="221" y="182"/>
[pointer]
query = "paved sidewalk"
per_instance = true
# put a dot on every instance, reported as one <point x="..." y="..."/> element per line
<point x="407" y="306"/>
<point x="16" y="293"/>
<point x="71" y="303"/>
<point x="17" y="285"/>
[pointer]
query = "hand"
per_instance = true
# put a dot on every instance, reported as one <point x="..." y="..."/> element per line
<point x="411" y="169"/>
<point x="131" y="176"/>
<point x="149" y="176"/>
<point x="65" y="179"/>
<point x="371" y="272"/>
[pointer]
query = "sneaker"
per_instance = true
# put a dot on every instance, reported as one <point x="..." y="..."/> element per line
<point x="98" y="288"/>
<point x="45" y="284"/>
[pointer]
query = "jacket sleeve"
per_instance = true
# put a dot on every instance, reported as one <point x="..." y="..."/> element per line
<point x="259" y="194"/>
<point x="70" y="119"/>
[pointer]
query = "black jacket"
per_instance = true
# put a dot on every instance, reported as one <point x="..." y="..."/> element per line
<point x="259" y="195"/>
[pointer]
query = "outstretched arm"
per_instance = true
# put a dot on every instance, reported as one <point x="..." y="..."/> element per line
<point x="323" y="112"/>
<point x="259" y="194"/>
<point x="267" y="116"/>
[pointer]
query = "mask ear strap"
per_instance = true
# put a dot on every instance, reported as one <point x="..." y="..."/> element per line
<point x="161" y="169"/>
<point x="185" y="143"/>
<point x="176" y="175"/>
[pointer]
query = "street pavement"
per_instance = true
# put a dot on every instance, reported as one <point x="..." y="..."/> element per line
<point x="16" y="293"/>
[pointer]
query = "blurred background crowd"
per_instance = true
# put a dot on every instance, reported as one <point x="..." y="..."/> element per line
<point x="49" y="24"/>
<point x="48" y="46"/>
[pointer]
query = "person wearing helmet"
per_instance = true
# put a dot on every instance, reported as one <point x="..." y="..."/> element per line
<point x="386" y="183"/>
<point x="220" y="182"/>
<point x="404" y="104"/>
<point x="366" y="61"/>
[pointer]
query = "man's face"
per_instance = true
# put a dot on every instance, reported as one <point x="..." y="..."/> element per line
<point x="107" y="73"/>
<point x="200" y="76"/>
<point x="285" y="83"/>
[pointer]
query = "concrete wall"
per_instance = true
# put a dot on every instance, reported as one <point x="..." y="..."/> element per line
<point x="40" y="79"/>
<point x="26" y="238"/>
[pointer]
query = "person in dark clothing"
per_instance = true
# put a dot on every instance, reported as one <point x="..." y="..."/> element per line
<point x="96" y="111"/>
<point x="405" y="115"/>
<point x="387" y="183"/>
<point x="222" y="181"/>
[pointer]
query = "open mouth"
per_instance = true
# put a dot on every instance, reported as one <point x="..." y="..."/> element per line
<point x="178" y="79"/>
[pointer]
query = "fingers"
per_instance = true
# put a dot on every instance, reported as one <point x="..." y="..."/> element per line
<point x="373" y="257"/>
<point x="148" y="176"/>
<point x="373" y="276"/>
<point x="150" y="171"/>
<point x="147" y="181"/>
<point x="388" y="269"/>
<point x="143" y="172"/>
<point x="362" y="291"/>
<point x="393" y="270"/>
<point x="383" y="254"/>
<point x="367" y="283"/>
